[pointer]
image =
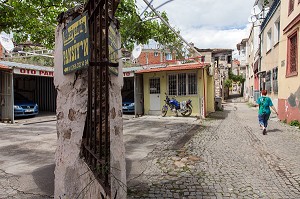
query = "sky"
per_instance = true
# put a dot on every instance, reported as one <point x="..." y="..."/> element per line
<point x="208" y="23"/>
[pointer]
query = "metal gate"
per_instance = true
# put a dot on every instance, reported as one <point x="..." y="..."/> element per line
<point x="6" y="97"/>
<point x="96" y="139"/>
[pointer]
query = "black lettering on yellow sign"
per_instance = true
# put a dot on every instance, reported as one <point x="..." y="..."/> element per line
<point x="76" y="45"/>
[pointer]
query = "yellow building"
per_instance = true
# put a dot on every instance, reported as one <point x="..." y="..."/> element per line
<point x="288" y="65"/>
<point x="186" y="81"/>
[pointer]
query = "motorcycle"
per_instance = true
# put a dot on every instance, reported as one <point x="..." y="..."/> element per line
<point x="185" y="107"/>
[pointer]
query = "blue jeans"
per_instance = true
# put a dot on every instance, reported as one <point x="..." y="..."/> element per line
<point x="263" y="119"/>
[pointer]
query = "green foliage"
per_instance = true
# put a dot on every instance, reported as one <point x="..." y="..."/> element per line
<point x="32" y="19"/>
<point x="236" y="78"/>
<point x="35" y="60"/>
<point x="136" y="28"/>
<point x="228" y="83"/>
<point x="36" y="20"/>
<point x="295" y="123"/>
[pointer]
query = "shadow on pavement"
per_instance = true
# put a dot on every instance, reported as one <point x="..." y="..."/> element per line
<point x="186" y="137"/>
<point x="44" y="178"/>
<point x="274" y="130"/>
<point x="219" y="115"/>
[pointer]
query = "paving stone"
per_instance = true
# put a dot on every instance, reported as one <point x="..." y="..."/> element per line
<point x="235" y="159"/>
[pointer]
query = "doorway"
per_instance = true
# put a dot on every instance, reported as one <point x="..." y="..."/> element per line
<point x="154" y="95"/>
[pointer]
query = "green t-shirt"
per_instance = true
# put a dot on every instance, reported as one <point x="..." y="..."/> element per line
<point x="264" y="105"/>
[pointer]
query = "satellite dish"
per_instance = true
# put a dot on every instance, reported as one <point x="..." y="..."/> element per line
<point x="7" y="43"/>
<point x="136" y="51"/>
<point x="252" y="19"/>
<point x="256" y="10"/>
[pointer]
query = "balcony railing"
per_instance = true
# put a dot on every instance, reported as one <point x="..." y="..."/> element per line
<point x="271" y="12"/>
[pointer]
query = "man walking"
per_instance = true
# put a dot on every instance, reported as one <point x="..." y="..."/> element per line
<point x="264" y="111"/>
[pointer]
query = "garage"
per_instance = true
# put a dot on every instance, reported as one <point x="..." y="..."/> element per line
<point x="132" y="92"/>
<point x="128" y="92"/>
<point x="33" y="90"/>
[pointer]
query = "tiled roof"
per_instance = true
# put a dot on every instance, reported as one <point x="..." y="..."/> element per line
<point x="174" y="68"/>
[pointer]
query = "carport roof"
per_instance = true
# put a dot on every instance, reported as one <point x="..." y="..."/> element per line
<point x="11" y="65"/>
<point x="3" y="67"/>
<point x="175" y="68"/>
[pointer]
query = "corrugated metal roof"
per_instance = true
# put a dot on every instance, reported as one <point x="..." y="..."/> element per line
<point x="174" y="68"/>
<point x="132" y="69"/>
<point x="26" y="66"/>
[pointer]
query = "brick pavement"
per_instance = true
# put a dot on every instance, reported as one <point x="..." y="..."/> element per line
<point x="227" y="158"/>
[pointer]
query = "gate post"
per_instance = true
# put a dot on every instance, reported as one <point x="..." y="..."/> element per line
<point x="85" y="127"/>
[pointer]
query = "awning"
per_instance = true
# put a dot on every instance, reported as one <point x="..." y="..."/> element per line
<point x="28" y="69"/>
<point x="174" y="68"/>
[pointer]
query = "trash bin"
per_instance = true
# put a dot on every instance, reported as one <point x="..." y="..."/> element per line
<point x="218" y="103"/>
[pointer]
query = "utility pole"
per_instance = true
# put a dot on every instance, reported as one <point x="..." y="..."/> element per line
<point x="167" y="24"/>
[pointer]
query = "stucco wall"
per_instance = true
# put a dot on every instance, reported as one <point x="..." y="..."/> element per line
<point x="73" y="178"/>
<point x="289" y="87"/>
<point x="252" y="50"/>
<point x="210" y="103"/>
<point x="269" y="59"/>
<point x="163" y="89"/>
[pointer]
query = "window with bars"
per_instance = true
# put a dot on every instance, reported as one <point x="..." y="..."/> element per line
<point x="154" y="85"/>
<point x="291" y="6"/>
<point x="275" y="80"/>
<point x="292" y="68"/>
<point x="172" y="84"/>
<point x="182" y="84"/>
<point x="268" y="82"/>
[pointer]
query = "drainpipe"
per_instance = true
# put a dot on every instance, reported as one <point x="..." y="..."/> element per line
<point x="12" y="98"/>
<point x="204" y="95"/>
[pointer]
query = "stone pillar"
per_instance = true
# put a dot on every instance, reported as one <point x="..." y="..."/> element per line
<point x="73" y="178"/>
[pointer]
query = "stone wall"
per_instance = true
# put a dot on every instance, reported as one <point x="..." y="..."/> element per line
<point x="73" y="178"/>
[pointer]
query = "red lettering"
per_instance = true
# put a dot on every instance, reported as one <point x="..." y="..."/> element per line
<point x="33" y="72"/>
<point x="41" y="72"/>
<point x="22" y="70"/>
<point x="51" y="74"/>
<point x="46" y="73"/>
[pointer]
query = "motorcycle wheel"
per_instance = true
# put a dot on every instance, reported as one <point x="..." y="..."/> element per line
<point x="164" y="111"/>
<point x="188" y="112"/>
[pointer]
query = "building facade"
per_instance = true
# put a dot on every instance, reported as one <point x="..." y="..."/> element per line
<point x="288" y="65"/>
<point x="269" y="50"/>
<point x="221" y="59"/>
<point x="184" y="81"/>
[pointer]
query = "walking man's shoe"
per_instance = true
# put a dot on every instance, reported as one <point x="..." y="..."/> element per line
<point x="264" y="132"/>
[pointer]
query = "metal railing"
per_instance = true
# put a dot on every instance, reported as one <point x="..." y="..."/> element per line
<point x="96" y="139"/>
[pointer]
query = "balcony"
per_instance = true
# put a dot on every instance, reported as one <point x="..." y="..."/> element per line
<point x="271" y="12"/>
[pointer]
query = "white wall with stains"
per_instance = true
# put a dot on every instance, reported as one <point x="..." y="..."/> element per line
<point x="73" y="178"/>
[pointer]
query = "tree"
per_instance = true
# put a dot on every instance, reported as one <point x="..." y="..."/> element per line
<point x="36" y="19"/>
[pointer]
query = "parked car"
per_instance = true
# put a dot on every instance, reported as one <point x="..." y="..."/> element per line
<point x="128" y="103"/>
<point x="24" y="107"/>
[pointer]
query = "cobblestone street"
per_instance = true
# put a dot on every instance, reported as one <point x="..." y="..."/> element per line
<point x="227" y="157"/>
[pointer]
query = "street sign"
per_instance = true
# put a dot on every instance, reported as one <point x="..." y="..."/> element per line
<point x="76" y="44"/>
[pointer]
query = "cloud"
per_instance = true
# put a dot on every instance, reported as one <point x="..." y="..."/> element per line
<point x="208" y="23"/>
